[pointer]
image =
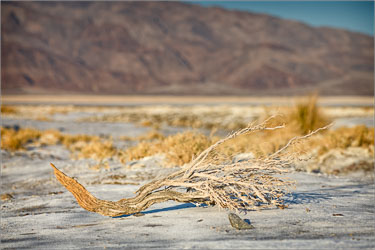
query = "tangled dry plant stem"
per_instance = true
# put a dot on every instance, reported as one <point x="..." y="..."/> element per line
<point x="211" y="179"/>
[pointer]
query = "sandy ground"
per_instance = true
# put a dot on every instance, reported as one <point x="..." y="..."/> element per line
<point x="38" y="213"/>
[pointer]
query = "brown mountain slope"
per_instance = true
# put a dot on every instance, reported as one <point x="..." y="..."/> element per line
<point x="174" y="48"/>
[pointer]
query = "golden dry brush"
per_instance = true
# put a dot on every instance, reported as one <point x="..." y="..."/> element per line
<point x="214" y="179"/>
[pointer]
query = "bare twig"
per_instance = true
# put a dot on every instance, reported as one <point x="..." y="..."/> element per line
<point x="298" y="138"/>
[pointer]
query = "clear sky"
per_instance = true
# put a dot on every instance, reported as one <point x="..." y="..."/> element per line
<point x="351" y="15"/>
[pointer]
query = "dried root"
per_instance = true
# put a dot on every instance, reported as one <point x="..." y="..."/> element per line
<point x="243" y="185"/>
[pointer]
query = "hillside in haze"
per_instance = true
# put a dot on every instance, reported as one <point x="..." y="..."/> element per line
<point x="175" y="48"/>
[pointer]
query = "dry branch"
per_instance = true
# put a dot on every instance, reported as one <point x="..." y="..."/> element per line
<point x="243" y="185"/>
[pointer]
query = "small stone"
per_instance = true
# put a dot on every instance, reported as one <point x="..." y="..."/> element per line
<point x="138" y="214"/>
<point x="238" y="223"/>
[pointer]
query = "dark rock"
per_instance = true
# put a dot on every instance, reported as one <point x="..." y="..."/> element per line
<point x="238" y="223"/>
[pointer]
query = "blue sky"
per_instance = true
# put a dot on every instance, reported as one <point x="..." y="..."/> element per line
<point x="351" y="15"/>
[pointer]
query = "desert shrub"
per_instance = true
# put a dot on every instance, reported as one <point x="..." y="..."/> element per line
<point x="240" y="185"/>
<point x="307" y="116"/>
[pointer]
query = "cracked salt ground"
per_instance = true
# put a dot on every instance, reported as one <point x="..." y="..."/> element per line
<point x="49" y="217"/>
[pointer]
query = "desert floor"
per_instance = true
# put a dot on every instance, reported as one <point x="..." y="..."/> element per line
<point x="37" y="212"/>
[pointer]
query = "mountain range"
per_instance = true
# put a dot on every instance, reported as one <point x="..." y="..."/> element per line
<point x="175" y="48"/>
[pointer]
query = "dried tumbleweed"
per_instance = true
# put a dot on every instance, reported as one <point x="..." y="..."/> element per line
<point x="243" y="185"/>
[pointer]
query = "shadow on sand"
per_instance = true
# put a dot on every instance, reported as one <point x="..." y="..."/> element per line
<point x="315" y="196"/>
<point x="306" y="197"/>
<point x="327" y="193"/>
<point x="176" y="207"/>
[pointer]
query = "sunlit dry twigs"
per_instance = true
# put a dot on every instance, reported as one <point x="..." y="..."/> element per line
<point x="211" y="179"/>
<point x="297" y="138"/>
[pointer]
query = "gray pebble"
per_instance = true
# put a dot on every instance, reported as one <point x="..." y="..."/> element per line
<point x="238" y="223"/>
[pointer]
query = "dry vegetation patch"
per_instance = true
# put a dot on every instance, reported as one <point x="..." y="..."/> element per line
<point x="341" y="151"/>
<point x="47" y="112"/>
<point x="299" y="120"/>
<point x="307" y="116"/>
<point x="41" y="113"/>
<point x="223" y="117"/>
<point x="227" y="117"/>
<point x="153" y="134"/>
<point x="81" y="146"/>
<point x="179" y="148"/>
<point x="17" y="139"/>
<point x="8" y="110"/>
<point x="345" y="137"/>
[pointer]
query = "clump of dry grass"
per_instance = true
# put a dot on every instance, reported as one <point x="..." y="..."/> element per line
<point x="88" y="146"/>
<point x="13" y="140"/>
<point x="214" y="179"/>
<point x="340" y="151"/>
<point x="182" y="147"/>
<point x="8" y="110"/>
<point x="81" y="146"/>
<point x="150" y="136"/>
<point x="94" y="149"/>
<point x="179" y="148"/>
<point x="344" y="137"/>
<point x="307" y="116"/>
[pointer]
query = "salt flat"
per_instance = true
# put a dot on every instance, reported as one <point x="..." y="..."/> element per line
<point x="38" y="213"/>
<point x="323" y="212"/>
